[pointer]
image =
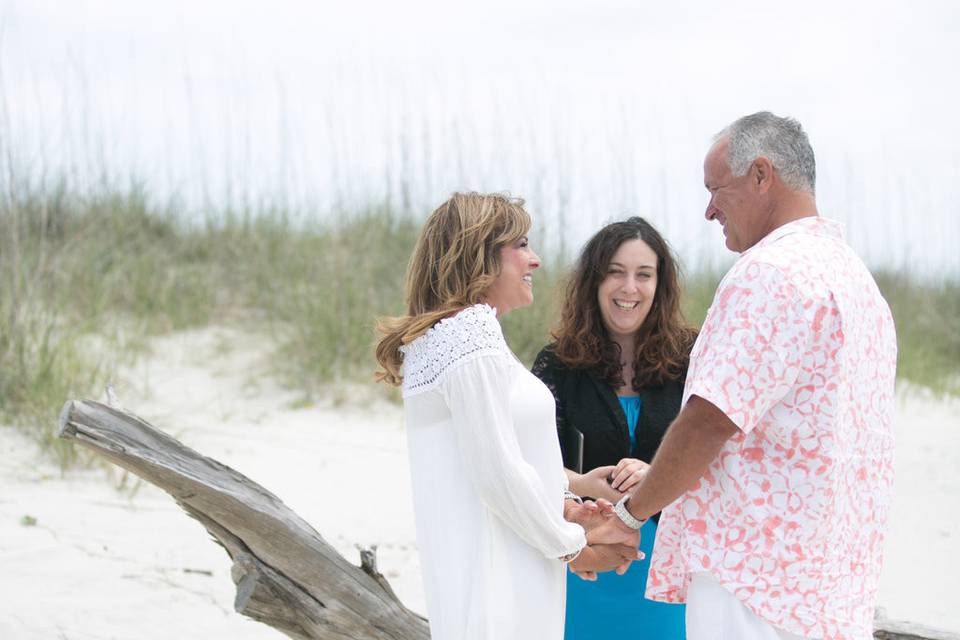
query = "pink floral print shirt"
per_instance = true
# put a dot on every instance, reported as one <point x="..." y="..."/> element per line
<point x="798" y="349"/>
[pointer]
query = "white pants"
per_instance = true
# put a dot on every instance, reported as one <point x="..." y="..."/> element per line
<point x="713" y="613"/>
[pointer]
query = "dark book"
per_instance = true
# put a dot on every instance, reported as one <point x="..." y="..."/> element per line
<point x="572" y="446"/>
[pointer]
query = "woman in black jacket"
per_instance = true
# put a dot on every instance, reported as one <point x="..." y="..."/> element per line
<point x="616" y="370"/>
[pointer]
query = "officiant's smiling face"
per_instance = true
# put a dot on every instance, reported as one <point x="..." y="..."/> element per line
<point x="626" y="293"/>
<point x="513" y="288"/>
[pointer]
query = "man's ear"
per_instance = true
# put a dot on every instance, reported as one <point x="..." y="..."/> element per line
<point x="761" y="173"/>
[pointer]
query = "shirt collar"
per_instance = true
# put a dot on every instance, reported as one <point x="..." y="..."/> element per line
<point x="813" y="225"/>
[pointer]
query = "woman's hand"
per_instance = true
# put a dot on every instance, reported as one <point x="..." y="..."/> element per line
<point x="604" y="557"/>
<point x="589" y="514"/>
<point x="627" y="474"/>
<point x="585" y="514"/>
<point x="595" y="483"/>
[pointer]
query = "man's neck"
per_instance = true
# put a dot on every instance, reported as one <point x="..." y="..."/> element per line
<point x="792" y="206"/>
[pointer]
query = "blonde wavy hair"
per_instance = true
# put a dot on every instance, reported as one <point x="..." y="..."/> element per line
<point x="455" y="260"/>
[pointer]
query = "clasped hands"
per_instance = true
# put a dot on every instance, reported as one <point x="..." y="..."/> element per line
<point x="611" y="482"/>
<point x="610" y="544"/>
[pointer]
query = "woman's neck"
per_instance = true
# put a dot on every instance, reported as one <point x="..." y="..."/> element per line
<point x="626" y="344"/>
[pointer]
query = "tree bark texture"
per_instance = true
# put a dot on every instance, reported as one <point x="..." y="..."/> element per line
<point x="287" y="576"/>
<point x="890" y="630"/>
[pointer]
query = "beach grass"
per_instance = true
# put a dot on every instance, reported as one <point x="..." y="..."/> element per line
<point x="85" y="281"/>
<point x="927" y="317"/>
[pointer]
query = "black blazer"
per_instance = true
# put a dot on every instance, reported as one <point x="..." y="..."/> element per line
<point x="588" y="403"/>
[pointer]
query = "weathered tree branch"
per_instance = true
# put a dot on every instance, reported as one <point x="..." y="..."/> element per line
<point x="287" y="576"/>
<point x="890" y="630"/>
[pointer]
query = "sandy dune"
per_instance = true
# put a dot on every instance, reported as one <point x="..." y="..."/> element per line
<point x="104" y="563"/>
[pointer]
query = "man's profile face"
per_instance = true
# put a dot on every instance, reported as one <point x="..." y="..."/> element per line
<point x="733" y="203"/>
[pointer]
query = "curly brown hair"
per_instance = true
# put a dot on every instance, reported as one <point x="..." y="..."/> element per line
<point x="664" y="339"/>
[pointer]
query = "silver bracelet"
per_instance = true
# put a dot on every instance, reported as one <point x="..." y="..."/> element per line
<point x="570" y="557"/>
<point x="624" y="514"/>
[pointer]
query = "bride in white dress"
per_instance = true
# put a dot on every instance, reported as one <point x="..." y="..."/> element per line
<point x="487" y="475"/>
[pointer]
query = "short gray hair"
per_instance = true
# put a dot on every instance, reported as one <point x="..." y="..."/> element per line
<point x="781" y="140"/>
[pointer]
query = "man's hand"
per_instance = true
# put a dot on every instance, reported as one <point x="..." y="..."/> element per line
<point x="613" y="531"/>
<point x="604" y="557"/>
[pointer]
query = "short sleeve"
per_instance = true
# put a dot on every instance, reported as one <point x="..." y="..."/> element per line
<point x="752" y="345"/>
<point x="477" y="394"/>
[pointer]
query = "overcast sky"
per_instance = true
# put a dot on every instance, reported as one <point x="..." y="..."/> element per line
<point x="591" y="110"/>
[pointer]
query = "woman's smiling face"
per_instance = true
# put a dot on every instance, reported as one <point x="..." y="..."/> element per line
<point x="626" y="293"/>
<point x="513" y="288"/>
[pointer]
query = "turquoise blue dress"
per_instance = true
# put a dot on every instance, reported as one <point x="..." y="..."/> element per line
<point x="614" y="606"/>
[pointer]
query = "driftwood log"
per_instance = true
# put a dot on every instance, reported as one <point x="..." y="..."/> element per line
<point x="287" y="576"/>
<point x="890" y="630"/>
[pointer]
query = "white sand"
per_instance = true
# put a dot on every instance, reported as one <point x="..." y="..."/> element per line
<point x="921" y="574"/>
<point x="102" y="563"/>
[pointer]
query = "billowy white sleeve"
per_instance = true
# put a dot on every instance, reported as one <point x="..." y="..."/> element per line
<point x="477" y="393"/>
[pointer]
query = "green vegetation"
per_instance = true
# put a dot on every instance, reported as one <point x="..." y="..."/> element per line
<point x="927" y="316"/>
<point x="84" y="281"/>
<point x="81" y="284"/>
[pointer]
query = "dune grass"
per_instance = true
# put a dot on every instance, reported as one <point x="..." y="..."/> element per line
<point x="927" y="316"/>
<point x="84" y="282"/>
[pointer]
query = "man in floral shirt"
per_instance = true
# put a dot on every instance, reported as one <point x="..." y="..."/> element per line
<point x="775" y="479"/>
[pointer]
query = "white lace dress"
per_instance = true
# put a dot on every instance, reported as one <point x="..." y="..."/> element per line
<point x="488" y="485"/>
